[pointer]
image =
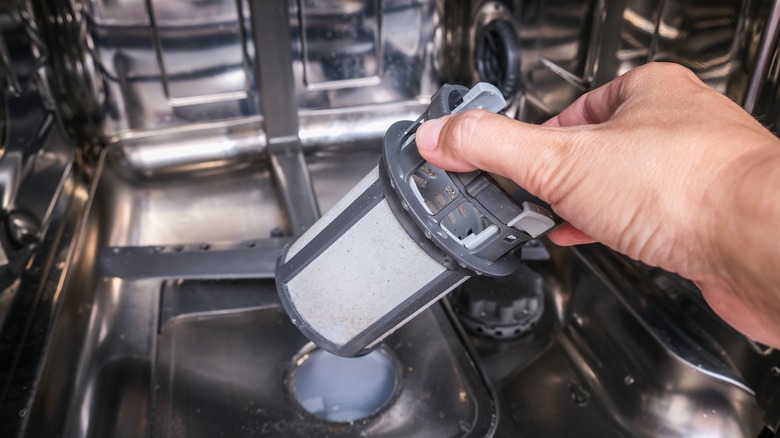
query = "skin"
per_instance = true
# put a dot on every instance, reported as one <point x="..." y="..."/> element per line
<point x="655" y="165"/>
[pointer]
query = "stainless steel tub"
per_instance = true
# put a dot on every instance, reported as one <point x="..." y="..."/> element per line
<point x="169" y="123"/>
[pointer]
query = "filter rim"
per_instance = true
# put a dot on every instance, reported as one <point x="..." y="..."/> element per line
<point x="394" y="166"/>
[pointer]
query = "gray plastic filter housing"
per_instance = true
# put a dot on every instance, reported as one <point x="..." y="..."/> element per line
<point x="403" y="237"/>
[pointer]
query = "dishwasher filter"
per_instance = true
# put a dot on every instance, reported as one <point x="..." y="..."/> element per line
<point x="405" y="236"/>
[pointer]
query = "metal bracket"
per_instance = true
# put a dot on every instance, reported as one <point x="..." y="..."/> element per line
<point x="270" y="20"/>
<point x="253" y="259"/>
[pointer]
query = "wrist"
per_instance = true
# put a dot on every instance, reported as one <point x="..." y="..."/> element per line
<point x="748" y="222"/>
<point x="741" y="281"/>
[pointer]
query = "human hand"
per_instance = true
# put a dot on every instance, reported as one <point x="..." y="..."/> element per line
<point x="655" y="165"/>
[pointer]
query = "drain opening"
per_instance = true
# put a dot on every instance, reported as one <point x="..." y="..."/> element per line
<point x="497" y="56"/>
<point x="341" y="389"/>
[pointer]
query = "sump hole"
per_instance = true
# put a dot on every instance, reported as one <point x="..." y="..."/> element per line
<point x="343" y="389"/>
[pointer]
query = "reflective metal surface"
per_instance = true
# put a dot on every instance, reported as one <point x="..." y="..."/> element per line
<point x="170" y="141"/>
<point x="352" y="53"/>
<point x="574" y="45"/>
<point x="107" y="343"/>
<point x="763" y="58"/>
<point x="274" y="65"/>
<point x="341" y="43"/>
<point x="763" y="97"/>
<point x="41" y="198"/>
<point x="164" y="64"/>
<point x="252" y="259"/>
<point x="228" y="372"/>
<point x="614" y="360"/>
<point x="115" y="326"/>
<point x="155" y="64"/>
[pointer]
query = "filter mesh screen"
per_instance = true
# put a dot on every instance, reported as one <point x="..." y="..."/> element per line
<point x="328" y="217"/>
<point x="371" y="269"/>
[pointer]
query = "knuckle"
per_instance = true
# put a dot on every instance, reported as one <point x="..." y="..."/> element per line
<point x="660" y="80"/>
<point x="677" y="72"/>
<point x="664" y="72"/>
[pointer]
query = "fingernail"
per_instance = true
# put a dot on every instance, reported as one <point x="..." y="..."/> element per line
<point x="428" y="134"/>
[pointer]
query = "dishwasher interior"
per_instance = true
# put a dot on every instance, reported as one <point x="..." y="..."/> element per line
<point x="156" y="156"/>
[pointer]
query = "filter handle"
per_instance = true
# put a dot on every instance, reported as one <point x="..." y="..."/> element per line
<point x="469" y="216"/>
<point x="481" y="96"/>
<point x="537" y="216"/>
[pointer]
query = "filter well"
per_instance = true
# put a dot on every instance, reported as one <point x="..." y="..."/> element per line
<point x="340" y="389"/>
<point x="230" y="374"/>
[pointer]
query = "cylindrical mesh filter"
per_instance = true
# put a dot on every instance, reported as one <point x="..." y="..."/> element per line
<point x="346" y="280"/>
<point x="407" y="234"/>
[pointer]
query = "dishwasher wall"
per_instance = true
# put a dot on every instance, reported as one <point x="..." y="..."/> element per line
<point x="144" y="122"/>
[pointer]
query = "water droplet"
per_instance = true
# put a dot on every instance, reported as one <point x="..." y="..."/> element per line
<point x="629" y="380"/>
<point x="23" y="412"/>
<point x="776" y="371"/>
<point x="578" y="394"/>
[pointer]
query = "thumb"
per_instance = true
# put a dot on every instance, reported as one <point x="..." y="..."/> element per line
<point x="532" y="156"/>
